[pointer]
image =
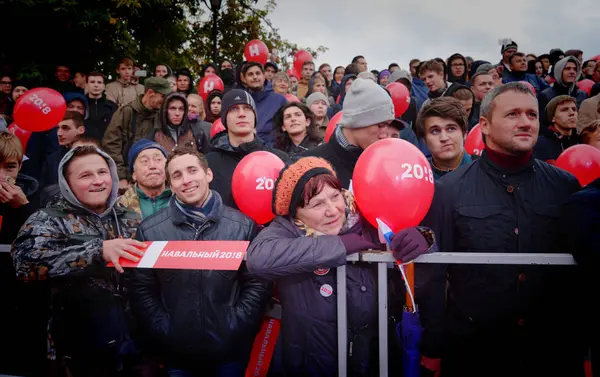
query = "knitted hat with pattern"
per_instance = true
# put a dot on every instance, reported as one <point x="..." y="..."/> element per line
<point x="289" y="187"/>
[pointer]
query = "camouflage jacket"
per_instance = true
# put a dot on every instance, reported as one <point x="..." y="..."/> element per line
<point x="66" y="241"/>
<point x="130" y="200"/>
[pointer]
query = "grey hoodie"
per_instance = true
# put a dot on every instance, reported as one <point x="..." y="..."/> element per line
<point x="558" y="70"/>
<point x="66" y="192"/>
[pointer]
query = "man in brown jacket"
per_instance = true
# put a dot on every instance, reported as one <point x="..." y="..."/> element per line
<point x="588" y="112"/>
<point x="133" y="122"/>
<point x="126" y="88"/>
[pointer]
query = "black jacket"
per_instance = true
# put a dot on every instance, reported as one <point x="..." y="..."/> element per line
<point x="499" y="316"/>
<point x="99" y="114"/>
<point x="224" y="158"/>
<point x="307" y="144"/>
<point x="50" y="169"/>
<point x="551" y="144"/>
<point x="342" y="159"/>
<point x="198" y="316"/>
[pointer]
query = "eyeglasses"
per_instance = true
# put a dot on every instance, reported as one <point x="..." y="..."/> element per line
<point x="457" y="65"/>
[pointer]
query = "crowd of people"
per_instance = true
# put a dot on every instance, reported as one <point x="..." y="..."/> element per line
<point x="135" y="161"/>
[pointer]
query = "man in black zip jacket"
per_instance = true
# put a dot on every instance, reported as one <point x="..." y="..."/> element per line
<point x="239" y="117"/>
<point x="200" y="322"/>
<point x="500" y="320"/>
<point x="100" y="109"/>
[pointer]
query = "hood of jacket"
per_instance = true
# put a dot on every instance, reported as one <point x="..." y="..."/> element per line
<point x="169" y="69"/>
<point x="186" y="72"/>
<point x="343" y="86"/>
<point x="221" y="143"/>
<point x="72" y="96"/>
<point x="70" y="197"/>
<point x="164" y="113"/>
<point x="454" y="87"/>
<point x="560" y="66"/>
<point x="28" y="185"/>
<point x="462" y="79"/>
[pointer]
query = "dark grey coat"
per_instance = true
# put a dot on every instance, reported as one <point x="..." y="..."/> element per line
<point x="309" y="329"/>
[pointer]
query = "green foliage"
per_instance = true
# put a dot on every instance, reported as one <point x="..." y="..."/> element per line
<point x="94" y="35"/>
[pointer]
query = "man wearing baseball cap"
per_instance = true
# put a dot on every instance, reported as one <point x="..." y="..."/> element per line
<point x="149" y="193"/>
<point x="367" y="118"/>
<point x="238" y="115"/>
<point x="132" y="122"/>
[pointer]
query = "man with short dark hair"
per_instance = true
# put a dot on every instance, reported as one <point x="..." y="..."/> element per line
<point x="100" y="109"/>
<point x="70" y="244"/>
<point x="442" y="123"/>
<point x="518" y="72"/>
<point x="267" y="101"/>
<point x="432" y="72"/>
<point x="270" y="70"/>
<point x="239" y="117"/>
<point x="562" y="132"/>
<point x="499" y="318"/>
<point x="361" y="62"/>
<point x="202" y="323"/>
<point x="566" y="71"/>
<point x="392" y="67"/>
<point x="413" y="66"/>
<point x="133" y="122"/>
<point x="61" y="80"/>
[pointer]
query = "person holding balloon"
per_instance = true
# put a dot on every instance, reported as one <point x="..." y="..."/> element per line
<point x="442" y="123"/>
<point x="317" y="226"/>
<point x="295" y="129"/>
<point x="239" y="139"/>
<point x="367" y="117"/>
<point x="500" y="320"/>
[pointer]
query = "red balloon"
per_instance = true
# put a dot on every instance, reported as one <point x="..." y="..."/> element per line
<point x="256" y="51"/>
<point x="208" y="84"/>
<point x="331" y="126"/>
<point x="253" y="182"/>
<point x="21" y="134"/>
<point x="596" y="58"/>
<point x="393" y="181"/>
<point x="39" y="109"/>
<point x="291" y="98"/>
<point x="299" y="58"/>
<point x="216" y="127"/>
<point x="400" y="97"/>
<point x="582" y="160"/>
<point x="474" y="143"/>
<point x="586" y="85"/>
<point x="530" y="87"/>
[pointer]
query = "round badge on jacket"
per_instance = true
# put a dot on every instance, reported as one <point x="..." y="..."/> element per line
<point x="321" y="271"/>
<point x="326" y="290"/>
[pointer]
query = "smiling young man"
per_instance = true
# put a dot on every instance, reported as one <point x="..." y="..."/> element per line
<point x="149" y="193"/>
<point x="442" y="123"/>
<point x="202" y="323"/>
<point x="477" y="316"/>
<point x="239" y="139"/>
<point x="266" y="100"/>
<point x="70" y="244"/>
<point x="562" y="132"/>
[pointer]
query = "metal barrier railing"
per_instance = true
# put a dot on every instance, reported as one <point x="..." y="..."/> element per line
<point x="384" y="259"/>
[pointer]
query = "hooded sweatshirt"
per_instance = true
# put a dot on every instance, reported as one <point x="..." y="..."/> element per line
<point x="451" y="78"/>
<point x="559" y="88"/>
<point x="170" y="136"/>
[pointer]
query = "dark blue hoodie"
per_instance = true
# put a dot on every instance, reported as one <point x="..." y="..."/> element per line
<point x="267" y="104"/>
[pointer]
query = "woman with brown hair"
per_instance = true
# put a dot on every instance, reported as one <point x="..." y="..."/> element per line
<point x="295" y="129"/>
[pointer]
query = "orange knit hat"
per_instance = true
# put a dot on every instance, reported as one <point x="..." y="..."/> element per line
<point x="292" y="179"/>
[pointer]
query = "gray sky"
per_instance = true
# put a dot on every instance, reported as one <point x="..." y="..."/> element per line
<point x="397" y="31"/>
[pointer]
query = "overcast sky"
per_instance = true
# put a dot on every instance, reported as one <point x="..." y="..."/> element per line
<point x="386" y="31"/>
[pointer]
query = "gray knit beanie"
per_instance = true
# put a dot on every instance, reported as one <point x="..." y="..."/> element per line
<point x="400" y="74"/>
<point x="366" y="104"/>
<point x="316" y="96"/>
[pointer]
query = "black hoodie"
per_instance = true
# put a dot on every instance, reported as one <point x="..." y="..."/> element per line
<point x="451" y="78"/>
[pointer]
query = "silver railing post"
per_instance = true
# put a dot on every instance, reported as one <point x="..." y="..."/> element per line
<point x="342" y="322"/>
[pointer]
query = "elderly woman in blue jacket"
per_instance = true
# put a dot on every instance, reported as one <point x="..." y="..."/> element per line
<point x="317" y="227"/>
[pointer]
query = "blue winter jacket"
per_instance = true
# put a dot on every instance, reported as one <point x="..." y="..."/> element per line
<point x="419" y="90"/>
<point x="267" y="104"/>
<point x="537" y="82"/>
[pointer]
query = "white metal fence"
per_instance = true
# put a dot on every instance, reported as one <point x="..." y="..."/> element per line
<point x="383" y="260"/>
